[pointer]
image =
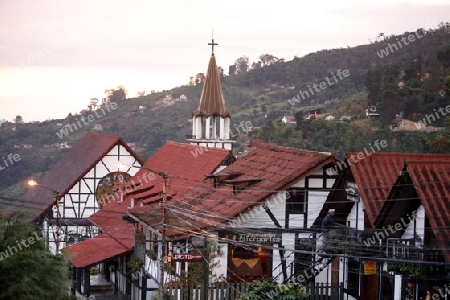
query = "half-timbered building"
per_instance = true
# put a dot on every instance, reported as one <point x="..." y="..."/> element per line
<point x="112" y="249"/>
<point x="76" y="187"/>
<point x="256" y="211"/>
<point x="368" y="196"/>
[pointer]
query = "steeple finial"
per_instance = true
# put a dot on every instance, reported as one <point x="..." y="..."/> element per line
<point x="212" y="44"/>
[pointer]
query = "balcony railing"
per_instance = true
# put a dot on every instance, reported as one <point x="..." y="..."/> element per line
<point x="372" y="243"/>
<point x="403" y="249"/>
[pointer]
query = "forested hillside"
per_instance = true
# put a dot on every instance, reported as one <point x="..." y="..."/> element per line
<point x="411" y="81"/>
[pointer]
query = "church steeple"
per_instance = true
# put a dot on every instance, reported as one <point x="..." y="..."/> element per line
<point x="211" y="111"/>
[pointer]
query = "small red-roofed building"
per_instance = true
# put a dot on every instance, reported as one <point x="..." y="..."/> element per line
<point x="374" y="196"/>
<point x="255" y="211"/>
<point x="112" y="248"/>
<point x="75" y="188"/>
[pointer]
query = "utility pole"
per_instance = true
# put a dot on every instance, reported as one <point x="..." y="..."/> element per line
<point x="163" y="238"/>
<point x="58" y="227"/>
<point x="165" y="176"/>
<point x="204" y="291"/>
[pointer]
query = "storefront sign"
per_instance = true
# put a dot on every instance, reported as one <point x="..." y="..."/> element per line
<point x="352" y="191"/>
<point x="370" y="268"/>
<point x="270" y="238"/>
<point x="188" y="257"/>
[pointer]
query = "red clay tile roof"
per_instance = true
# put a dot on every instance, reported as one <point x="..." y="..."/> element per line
<point x="177" y="160"/>
<point x="102" y="247"/>
<point x="212" y="102"/>
<point x="202" y="206"/>
<point x="184" y="170"/>
<point x="432" y="183"/>
<point x="376" y="174"/>
<point x="83" y="156"/>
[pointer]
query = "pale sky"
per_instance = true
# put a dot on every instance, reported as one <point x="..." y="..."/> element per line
<point x="55" y="55"/>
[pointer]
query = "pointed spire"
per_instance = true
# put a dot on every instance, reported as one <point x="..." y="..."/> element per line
<point x="212" y="102"/>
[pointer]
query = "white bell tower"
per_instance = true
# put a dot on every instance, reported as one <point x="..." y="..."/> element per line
<point x="211" y="121"/>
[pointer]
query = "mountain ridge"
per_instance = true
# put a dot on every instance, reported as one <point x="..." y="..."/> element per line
<point x="259" y="96"/>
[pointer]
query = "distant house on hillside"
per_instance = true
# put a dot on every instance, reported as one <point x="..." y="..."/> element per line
<point x="167" y="98"/>
<point x="289" y="119"/>
<point x="97" y="127"/>
<point x="313" y="115"/>
<point x="28" y="146"/>
<point x="330" y="117"/>
<point x="371" y="112"/>
<point x="200" y="78"/>
<point x="62" y="145"/>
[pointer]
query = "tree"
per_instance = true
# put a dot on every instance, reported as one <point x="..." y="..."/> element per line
<point x="117" y="94"/>
<point x="444" y="58"/>
<point x="263" y="108"/>
<point x="18" y="119"/>
<point x="373" y="84"/>
<point x="232" y="70"/>
<point x="27" y="269"/>
<point x="93" y="104"/>
<point x="242" y="64"/>
<point x="447" y="86"/>
<point x="415" y="69"/>
<point x="268" y="131"/>
<point x="382" y="85"/>
<point x="256" y="65"/>
<point x="268" y="59"/>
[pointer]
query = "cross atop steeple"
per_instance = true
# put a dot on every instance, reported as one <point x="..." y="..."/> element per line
<point x="212" y="44"/>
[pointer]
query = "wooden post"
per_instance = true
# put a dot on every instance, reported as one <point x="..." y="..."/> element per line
<point x="163" y="238"/>
<point x="204" y="291"/>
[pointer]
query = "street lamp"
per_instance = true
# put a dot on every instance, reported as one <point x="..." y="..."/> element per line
<point x="33" y="183"/>
<point x="163" y="220"/>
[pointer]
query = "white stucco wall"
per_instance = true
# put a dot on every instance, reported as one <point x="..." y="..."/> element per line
<point x="419" y="221"/>
<point x="351" y="218"/>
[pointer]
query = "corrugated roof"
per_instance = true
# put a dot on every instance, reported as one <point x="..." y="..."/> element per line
<point x="184" y="170"/>
<point x="432" y="183"/>
<point x="82" y="157"/>
<point x="376" y="174"/>
<point x="212" y="102"/>
<point x="203" y="205"/>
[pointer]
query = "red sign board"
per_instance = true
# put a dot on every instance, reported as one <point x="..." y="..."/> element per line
<point x="188" y="257"/>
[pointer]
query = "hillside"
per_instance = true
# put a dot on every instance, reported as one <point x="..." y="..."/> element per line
<point x="260" y="96"/>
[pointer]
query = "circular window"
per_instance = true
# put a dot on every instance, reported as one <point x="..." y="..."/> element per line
<point x="105" y="190"/>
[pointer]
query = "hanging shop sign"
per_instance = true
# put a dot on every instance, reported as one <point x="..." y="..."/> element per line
<point x="370" y="268"/>
<point x="352" y="191"/>
<point x="188" y="257"/>
<point x="260" y="238"/>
